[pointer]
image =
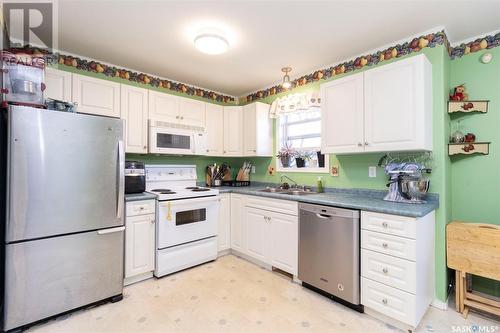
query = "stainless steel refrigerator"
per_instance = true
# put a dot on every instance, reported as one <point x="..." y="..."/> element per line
<point x="64" y="226"/>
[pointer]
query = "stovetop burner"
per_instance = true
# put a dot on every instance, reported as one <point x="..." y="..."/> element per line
<point x="191" y="187"/>
<point x="200" y="189"/>
<point x="163" y="191"/>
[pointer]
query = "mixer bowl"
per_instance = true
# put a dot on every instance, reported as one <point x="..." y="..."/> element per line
<point x="417" y="189"/>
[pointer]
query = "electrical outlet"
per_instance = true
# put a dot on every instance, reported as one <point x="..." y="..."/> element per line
<point x="372" y="171"/>
<point x="253" y="168"/>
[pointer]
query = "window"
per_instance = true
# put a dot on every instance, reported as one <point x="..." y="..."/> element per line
<point x="301" y="131"/>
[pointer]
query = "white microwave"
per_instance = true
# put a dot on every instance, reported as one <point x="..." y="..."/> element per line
<point x="178" y="139"/>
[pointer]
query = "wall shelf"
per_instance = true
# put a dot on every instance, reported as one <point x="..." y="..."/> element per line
<point x="480" y="106"/>
<point x="469" y="148"/>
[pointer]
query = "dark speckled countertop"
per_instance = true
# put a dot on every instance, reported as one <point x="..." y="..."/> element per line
<point x="362" y="199"/>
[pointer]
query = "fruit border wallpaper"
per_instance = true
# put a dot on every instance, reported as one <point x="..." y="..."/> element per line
<point x="399" y="50"/>
<point x="97" y="67"/>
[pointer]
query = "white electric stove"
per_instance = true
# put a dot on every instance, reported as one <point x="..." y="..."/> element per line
<point x="186" y="215"/>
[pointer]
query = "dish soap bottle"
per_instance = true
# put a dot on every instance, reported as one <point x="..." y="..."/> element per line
<point x="319" y="185"/>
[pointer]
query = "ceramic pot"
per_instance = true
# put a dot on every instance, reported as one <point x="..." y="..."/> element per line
<point x="285" y="161"/>
<point x="300" y="162"/>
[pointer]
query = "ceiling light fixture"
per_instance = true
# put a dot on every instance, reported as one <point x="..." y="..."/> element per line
<point x="211" y="43"/>
<point x="286" y="79"/>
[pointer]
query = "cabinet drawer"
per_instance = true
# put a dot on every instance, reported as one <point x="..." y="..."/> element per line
<point x="140" y="207"/>
<point x="394" y="272"/>
<point x="389" y="224"/>
<point x="389" y="301"/>
<point x="387" y="244"/>
<point x="275" y="205"/>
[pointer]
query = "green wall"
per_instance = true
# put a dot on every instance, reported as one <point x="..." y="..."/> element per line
<point x="476" y="178"/>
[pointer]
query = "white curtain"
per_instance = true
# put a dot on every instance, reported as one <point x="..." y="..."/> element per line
<point x="294" y="103"/>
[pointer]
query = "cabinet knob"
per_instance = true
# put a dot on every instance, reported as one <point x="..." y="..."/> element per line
<point x="385" y="270"/>
<point x="360" y="144"/>
<point x="153" y="221"/>
<point x="176" y="117"/>
<point x="182" y="118"/>
<point x="384" y="224"/>
<point x="384" y="301"/>
<point x="255" y="150"/>
<point x="385" y="245"/>
<point x="145" y="147"/>
<point x="225" y="151"/>
<point x="366" y="143"/>
<point x="208" y="151"/>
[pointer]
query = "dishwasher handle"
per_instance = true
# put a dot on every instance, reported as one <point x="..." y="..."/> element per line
<point x="323" y="216"/>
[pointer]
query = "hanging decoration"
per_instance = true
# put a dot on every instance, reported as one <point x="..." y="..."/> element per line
<point x="294" y="103"/>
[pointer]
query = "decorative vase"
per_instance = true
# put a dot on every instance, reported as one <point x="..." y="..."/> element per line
<point x="285" y="161"/>
<point x="300" y="162"/>
<point x="321" y="159"/>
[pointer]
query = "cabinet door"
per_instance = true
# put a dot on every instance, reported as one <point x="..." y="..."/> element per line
<point x="96" y="96"/>
<point x="57" y="84"/>
<point x="342" y="115"/>
<point x="264" y="130"/>
<point x="257" y="233"/>
<point x="237" y="223"/>
<point x="214" y="126"/>
<point x="191" y="112"/>
<point x="233" y="134"/>
<point x="164" y="107"/>
<point x="249" y="130"/>
<point x="139" y="244"/>
<point x="134" y="110"/>
<point x="397" y="109"/>
<point x="284" y="242"/>
<point x="224" y="234"/>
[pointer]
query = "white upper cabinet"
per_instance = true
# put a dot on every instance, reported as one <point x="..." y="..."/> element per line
<point x="95" y="96"/>
<point x="214" y="126"/>
<point x="192" y="112"/>
<point x="57" y="84"/>
<point x="388" y="108"/>
<point x="164" y="107"/>
<point x="398" y="107"/>
<point x="257" y="130"/>
<point x="134" y="110"/>
<point x="342" y="115"/>
<point x="233" y="131"/>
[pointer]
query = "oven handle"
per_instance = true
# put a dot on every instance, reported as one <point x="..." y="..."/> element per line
<point x="210" y="199"/>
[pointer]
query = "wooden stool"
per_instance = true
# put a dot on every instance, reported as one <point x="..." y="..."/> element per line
<point x="473" y="248"/>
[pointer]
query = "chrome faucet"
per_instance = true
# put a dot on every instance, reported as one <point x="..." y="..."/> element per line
<point x="290" y="179"/>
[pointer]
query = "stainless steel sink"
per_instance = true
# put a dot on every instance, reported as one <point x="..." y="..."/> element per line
<point x="291" y="191"/>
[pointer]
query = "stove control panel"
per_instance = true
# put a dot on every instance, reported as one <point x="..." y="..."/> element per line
<point x="170" y="172"/>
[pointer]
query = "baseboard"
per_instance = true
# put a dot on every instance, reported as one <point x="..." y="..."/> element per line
<point x="224" y="252"/>
<point x="438" y="304"/>
<point x="137" y="278"/>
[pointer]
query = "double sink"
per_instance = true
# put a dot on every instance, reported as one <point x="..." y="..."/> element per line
<point x="290" y="191"/>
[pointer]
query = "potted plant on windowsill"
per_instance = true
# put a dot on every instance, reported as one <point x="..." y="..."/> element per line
<point x="301" y="157"/>
<point x="285" y="154"/>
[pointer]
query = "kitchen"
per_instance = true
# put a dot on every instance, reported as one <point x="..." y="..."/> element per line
<point x="292" y="196"/>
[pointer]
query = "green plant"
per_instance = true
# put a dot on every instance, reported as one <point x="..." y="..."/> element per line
<point x="286" y="152"/>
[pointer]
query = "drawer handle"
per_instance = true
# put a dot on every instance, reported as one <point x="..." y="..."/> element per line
<point x="384" y="301"/>
<point x="384" y="224"/>
<point x="385" y="245"/>
<point x="141" y="208"/>
<point x="152" y="220"/>
<point x="385" y="270"/>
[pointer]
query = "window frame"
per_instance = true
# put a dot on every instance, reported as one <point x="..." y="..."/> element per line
<point x="278" y="143"/>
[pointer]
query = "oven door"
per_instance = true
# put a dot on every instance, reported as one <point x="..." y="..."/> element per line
<point x="186" y="220"/>
<point x="170" y="141"/>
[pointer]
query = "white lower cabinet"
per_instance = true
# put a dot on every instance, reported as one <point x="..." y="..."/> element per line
<point x="271" y="236"/>
<point x="224" y="225"/>
<point x="139" y="240"/>
<point x="397" y="280"/>
<point x="237" y="222"/>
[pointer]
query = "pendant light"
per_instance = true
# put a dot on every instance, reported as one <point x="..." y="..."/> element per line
<point x="286" y="79"/>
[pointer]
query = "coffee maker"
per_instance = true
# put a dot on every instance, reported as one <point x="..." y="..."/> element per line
<point x="135" y="177"/>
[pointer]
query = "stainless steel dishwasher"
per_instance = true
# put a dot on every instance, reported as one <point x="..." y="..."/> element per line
<point x="329" y="259"/>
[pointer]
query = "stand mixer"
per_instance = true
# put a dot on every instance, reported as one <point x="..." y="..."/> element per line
<point x="406" y="183"/>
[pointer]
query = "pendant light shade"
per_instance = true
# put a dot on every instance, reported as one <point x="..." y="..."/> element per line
<point x="286" y="78"/>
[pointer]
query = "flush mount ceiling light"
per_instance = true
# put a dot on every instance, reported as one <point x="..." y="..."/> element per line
<point x="211" y="43"/>
<point x="286" y="79"/>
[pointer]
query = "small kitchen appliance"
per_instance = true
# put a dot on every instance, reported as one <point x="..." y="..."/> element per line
<point x="135" y="177"/>
<point x="407" y="183"/>
<point x="186" y="215"/>
<point x="22" y="79"/>
<point x="179" y="139"/>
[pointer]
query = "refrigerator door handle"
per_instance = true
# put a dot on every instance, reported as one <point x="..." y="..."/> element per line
<point x="110" y="231"/>
<point x="121" y="180"/>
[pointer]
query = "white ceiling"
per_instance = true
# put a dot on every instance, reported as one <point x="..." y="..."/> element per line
<point x="156" y="36"/>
